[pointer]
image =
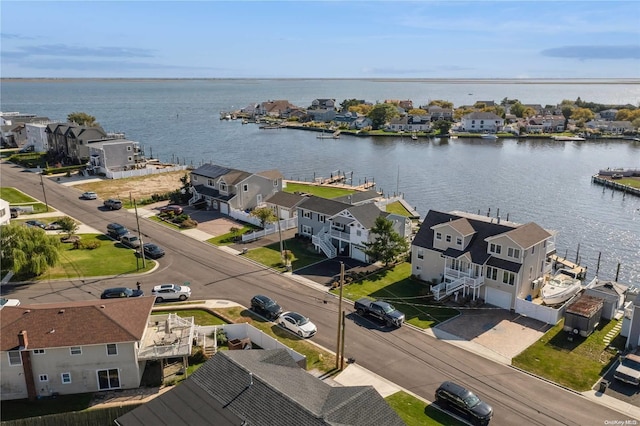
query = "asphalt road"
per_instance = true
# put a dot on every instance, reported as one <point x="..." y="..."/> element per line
<point x="405" y="356"/>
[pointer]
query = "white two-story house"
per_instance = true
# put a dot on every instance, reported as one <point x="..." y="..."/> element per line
<point x="341" y="229"/>
<point x="224" y="189"/>
<point x="72" y="347"/>
<point x="482" y="122"/>
<point x="481" y="257"/>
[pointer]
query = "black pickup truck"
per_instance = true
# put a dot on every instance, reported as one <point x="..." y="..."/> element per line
<point x="383" y="311"/>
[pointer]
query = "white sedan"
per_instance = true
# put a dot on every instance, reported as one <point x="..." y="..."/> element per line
<point x="297" y="323"/>
<point x="89" y="195"/>
<point x="164" y="292"/>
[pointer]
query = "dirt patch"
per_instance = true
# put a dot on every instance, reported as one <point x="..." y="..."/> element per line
<point x="136" y="187"/>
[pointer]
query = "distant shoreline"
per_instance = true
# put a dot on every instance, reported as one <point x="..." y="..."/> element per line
<point x="381" y="80"/>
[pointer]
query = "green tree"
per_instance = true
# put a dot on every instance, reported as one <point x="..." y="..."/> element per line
<point x="441" y="126"/>
<point x="417" y="111"/>
<point x="265" y="215"/>
<point x="441" y="103"/>
<point x="517" y="109"/>
<point x="382" y="114"/>
<point x="387" y="245"/>
<point x="582" y="115"/>
<point x="68" y="225"/>
<point x="347" y="103"/>
<point x="82" y="119"/>
<point x="28" y="252"/>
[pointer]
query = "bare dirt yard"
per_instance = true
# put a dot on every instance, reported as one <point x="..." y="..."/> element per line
<point x="138" y="188"/>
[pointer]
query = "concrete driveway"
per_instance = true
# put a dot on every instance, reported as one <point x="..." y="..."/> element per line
<point x="501" y="331"/>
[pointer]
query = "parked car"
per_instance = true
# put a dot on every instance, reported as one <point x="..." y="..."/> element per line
<point x="15" y="212"/>
<point x="35" y="224"/>
<point x="628" y="370"/>
<point x="297" y="323"/>
<point x="53" y="226"/>
<point x="89" y="195"/>
<point x="115" y="230"/>
<point x="265" y="306"/>
<point x="113" y="204"/>
<point x="130" y="240"/>
<point x="152" y="251"/>
<point x="171" y="208"/>
<point x="452" y="395"/>
<point x="164" y="292"/>
<point x="380" y="310"/>
<point x="118" y="292"/>
<point x="8" y="302"/>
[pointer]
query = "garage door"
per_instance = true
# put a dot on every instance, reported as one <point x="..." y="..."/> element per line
<point x="498" y="298"/>
<point x="224" y="208"/>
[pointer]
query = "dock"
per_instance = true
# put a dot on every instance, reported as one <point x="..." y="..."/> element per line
<point x="561" y="262"/>
<point x="610" y="179"/>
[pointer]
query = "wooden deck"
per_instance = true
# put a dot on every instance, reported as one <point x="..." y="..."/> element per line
<point x="560" y="262"/>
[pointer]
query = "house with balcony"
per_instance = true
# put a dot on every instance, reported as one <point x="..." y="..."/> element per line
<point x="481" y="257"/>
<point x="85" y="346"/>
<point x="439" y="113"/>
<point x="482" y="122"/>
<point x="340" y="229"/>
<point x="115" y="155"/>
<point x="227" y="190"/>
<point x="410" y="123"/>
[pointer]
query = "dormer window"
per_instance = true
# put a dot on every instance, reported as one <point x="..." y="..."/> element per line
<point x="223" y="187"/>
<point x="495" y="248"/>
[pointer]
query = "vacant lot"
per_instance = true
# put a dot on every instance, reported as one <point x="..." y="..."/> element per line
<point x="137" y="188"/>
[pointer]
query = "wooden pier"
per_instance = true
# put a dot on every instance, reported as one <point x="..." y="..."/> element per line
<point x="608" y="179"/>
<point x="561" y="262"/>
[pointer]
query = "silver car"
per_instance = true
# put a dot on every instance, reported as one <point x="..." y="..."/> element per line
<point x="164" y="292"/>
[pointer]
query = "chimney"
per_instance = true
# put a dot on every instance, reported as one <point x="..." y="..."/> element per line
<point x="22" y="339"/>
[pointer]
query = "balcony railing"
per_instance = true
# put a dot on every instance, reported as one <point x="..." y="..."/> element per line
<point x="339" y="234"/>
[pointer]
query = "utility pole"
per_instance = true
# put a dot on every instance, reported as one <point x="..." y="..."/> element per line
<point x="44" y="193"/>
<point x="282" y="255"/>
<point x="135" y="207"/>
<point x="338" y="353"/>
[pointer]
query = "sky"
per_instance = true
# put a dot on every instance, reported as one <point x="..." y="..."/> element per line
<point x="320" y="39"/>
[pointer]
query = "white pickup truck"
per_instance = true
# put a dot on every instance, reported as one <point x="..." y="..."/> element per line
<point x="629" y="369"/>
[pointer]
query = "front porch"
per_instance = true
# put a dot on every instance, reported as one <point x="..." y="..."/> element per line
<point x="167" y="336"/>
<point x="455" y="280"/>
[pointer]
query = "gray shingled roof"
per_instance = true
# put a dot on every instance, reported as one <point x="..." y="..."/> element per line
<point x="323" y="205"/>
<point x="359" y="197"/>
<point x="267" y="387"/>
<point x="285" y="199"/>
<point x="528" y="235"/>
<point x="367" y="214"/>
<point x="211" y="171"/>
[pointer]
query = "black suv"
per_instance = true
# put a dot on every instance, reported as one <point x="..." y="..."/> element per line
<point x="464" y="401"/>
<point x="118" y="292"/>
<point x="116" y="231"/>
<point x="265" y="306"/>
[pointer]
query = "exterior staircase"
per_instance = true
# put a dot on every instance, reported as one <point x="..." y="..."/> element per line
<point x="323" y="241"/>
<point x="612" y="333"/>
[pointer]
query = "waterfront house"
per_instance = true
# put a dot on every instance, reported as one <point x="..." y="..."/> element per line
<point x="114" y="155"/>
<point x="250" y="110"/>
<point x="261" y="387"/>
<point x="482" y="122"/>
<point x="610" y="127"/>
<point x="323" y="104"/>
<point x="277" y="109"/>
<point x="72" y="347"/>
<point x="321" y="114"/>
<point x="410" y="123"/>
<point x="37" y="135"/>
<point x="227" y="190"/>
<point x="284" y="204"/>
<point x="340" y="229"/>
<point x="439" y="113"/>
<point x="631" y="322"/>
<point x="608" y="114"/>
<point x="481" y="257"/>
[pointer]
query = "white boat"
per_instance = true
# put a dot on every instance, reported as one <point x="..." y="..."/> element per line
<point x="561" y="287"/>
<point x="414" y="136"/>
<point x="489" y="136"/>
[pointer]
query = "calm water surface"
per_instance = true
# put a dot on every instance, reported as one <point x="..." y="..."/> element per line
<point x="528" y="180"/>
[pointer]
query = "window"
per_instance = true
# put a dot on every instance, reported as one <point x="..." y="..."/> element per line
<point x="306" y="230"/>
<point x="492" y="273"/>
<point x="75" y="350"/>
<point x="275" y="183"/>
<point x="129" y="158"/>
<point x="359" y="233"/>
<point x="112" y="349"/>
<point x="513" y="252"/>
<point x="66" y="378"/>
<point x="128" y="148"/>
<point x="533" y="249"/>
<point x="245" y="187"/>
<point x="508" y="278"/>
<point x="108" y="379"/>
<point x="448" y="238"/>
<point x="223" y="187"/>
<point x="210" y="182"/>
<point x="38" y="351"/>
<point x="438" y="236"/>
<point x="495" y="248"/>
<point x="306" y="214"/>
<point x="459" y="241"/>
<point x="322" y="218"/>
<point x="420" y="253"/>
<point x="44" y="378"/>
<point x="194" y="177"/>
<point x="15" y="358"/>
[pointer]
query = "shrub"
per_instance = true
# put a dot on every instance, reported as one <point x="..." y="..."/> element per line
<point x="197" y="357"/>
<point x="221" y="337"/>
<point x="189" y="224"/>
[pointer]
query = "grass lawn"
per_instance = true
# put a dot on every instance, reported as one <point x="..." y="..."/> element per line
<point x="229" y="238"/>
<point x="634" y="183"/>
<point x="317" y="358"/>
<point x="319" y="191"/>
<point x="397" y="208"/>
<point x="270" y="255"/>
<point x="408" y="295"/>
<point x="200" y="317"/>
<point x="111" y="258"/>
<point x="576" y="364"/>
<point x="415" y="412"/>
<point x="13" y="196"/>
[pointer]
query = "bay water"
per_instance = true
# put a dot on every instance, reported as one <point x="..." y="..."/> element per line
<point x="525" y="180"/>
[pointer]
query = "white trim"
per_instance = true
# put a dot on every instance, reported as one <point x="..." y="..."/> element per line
<point x="19" y="357"/>
<point x="62" y="378"/>
<point x="115" y="345"/>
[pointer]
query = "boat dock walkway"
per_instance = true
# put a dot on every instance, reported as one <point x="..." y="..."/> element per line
<point x="609" y="182"/>
<point x="561" y="262"/>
